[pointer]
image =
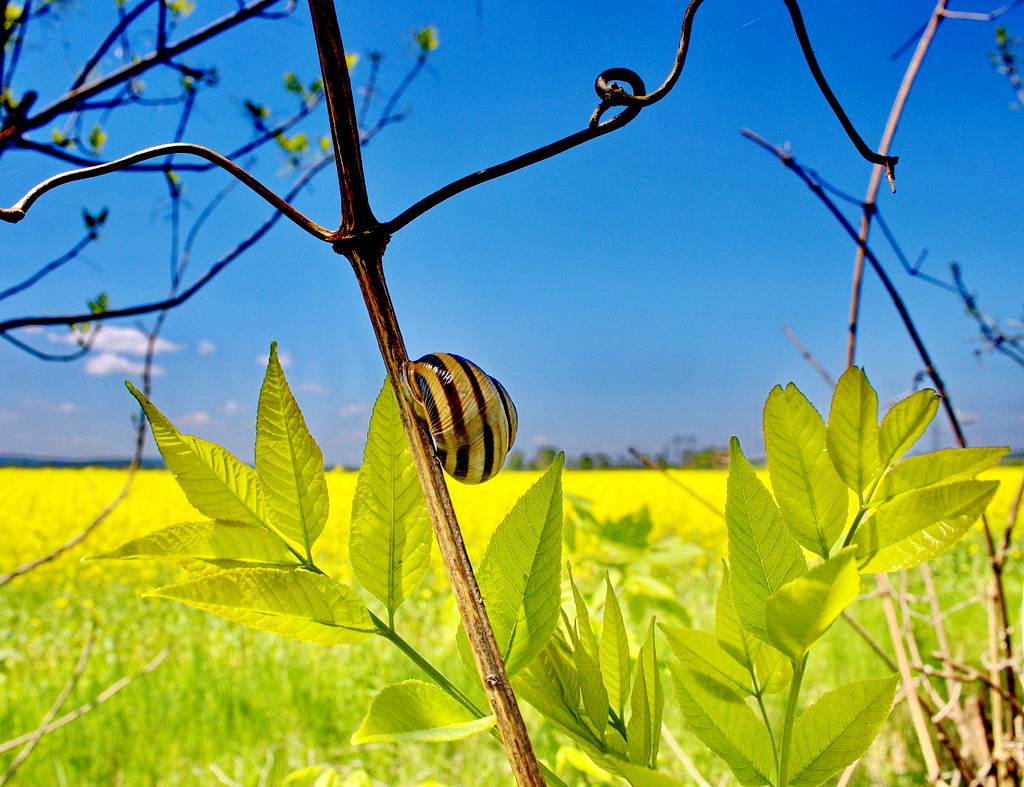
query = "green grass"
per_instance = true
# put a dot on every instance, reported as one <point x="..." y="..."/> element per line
<point x="234" y="703"/>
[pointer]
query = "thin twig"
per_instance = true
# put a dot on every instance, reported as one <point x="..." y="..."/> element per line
<point x="683" y="758"/>
<point x="37" y="736"/>
<point x="654" y="466"/>
<point x="809" y="356"/>
<point x="81" y="710"/>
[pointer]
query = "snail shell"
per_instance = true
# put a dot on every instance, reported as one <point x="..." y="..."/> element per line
<point x="470" y="415"/>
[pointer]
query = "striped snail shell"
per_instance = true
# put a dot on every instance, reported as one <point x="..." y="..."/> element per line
<point x="470" y="415"/>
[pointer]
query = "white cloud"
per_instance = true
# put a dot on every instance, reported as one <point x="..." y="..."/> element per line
<point x="57" y="408"/>
<point x="231" y="407"/>
<point x="206" y="347"/>
<point x="283" y="356"/>
<point x="540" y="439"/>
<point x="356" y="408"/>
<point x="117" y="339"/>
<point x="314" y="388"/>
<point x="7" y="416"/>
<point x="112" y="363"/>
<point x="198" y="418"/>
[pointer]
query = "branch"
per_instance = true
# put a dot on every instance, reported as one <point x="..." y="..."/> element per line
<point x="612" y="94"/>
<point x="17" y="212"/>
<point x="98" y="700"/>
<point x="73" y="98"/>
<point x="36" y="736"/>
<point x="50" y="267"/>
<point x="808" y="356"/>
<point x="223" y="262"/>
<point x="702" y="500"/>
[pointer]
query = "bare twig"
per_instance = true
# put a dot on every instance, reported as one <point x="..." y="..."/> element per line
<point x="37" y="736"/>
<point x="687" y="763"/>
<point x="808" y="356"/>
<point x="702" y="500"/>
<point x="81" y="710"/>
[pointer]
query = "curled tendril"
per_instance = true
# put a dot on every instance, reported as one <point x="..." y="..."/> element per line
<point x="612" y="94"/>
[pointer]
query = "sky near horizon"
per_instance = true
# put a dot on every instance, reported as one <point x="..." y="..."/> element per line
<point x="630" y="292"/>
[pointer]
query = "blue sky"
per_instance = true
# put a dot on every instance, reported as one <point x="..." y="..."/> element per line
<point x="627" y="292"/>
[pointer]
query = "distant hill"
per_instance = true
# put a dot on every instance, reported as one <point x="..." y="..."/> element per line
<point x="38" y="461"/>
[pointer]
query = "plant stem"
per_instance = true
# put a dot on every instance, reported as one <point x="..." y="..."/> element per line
<point x="764" y="715"/>
<point x="443" y="682"/>
<point x="787" y="727"/>
<point x="368" y="266"/>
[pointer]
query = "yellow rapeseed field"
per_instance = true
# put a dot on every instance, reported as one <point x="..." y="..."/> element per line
<point x="43" y="508"/>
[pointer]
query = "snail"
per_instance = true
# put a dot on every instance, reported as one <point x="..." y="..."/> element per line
<point x="470" y="414"/>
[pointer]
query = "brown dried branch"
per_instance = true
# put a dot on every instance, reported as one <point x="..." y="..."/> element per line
<point x="92" y="704"/>
<point x="702" y="500"/>
<point x="808" y="356"/>
<point x="40" y="731"/>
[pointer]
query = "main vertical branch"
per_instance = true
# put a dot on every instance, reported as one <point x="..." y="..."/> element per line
<point x="356" y="215"/>
<point x="368" y="265"/>
<point x="361" y="241"/>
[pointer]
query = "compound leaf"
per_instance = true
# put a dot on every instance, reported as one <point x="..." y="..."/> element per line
<point x="839" y="728"/>
<point x="801" y="611"/>
<point x="950" y="464"/>
<point x="389" y="540"/>
<point x="725" y="724"/>
<point x="812" y="497"/>
<point x="416" y="711"/>
<point x="903" y="424"/>
<point x="519" y="575"/>
<point x="206" y="547"/>
<point x="852" y="433"/>
<point x="215" y="482"/>
<point x="763" y="555"/>
<point x="289" y="463"/>
<point x="614" y="651"/>
<point x="647" y="706"/>
<point x="301" y="605"/>
<point x="917" y="526"/>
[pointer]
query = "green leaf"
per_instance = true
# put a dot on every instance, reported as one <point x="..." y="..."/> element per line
<point x="389" y="541"/>
<point x="595" y="696"/>
<point x="214" y="481"/>
<point x="550" y="684"/>
<point x="519" y="576"/>
<point x="809" y="492"/>
<point x="638" y="776"/>
<point x="839" y="728"/>
<point x="207" y="547"/>
<point x="771" y="670"/>
<point x="725" y="724"/>
<point x="647" y="706"/>
<point x="951" y="464"/>
<point x="427" y="39"/>
<point x="804" y="609"/>
<point x="852" y="434"/>
<point x="763" y="556"/>
<point x="289" y="463"/>
<point x="918" y="525"/>
<point x="699" y="652"/>
<point x="301" y="605"/>
<point x="614" y="650"/>
<point x="416" y="711"/>
<point x="903" y="424"/>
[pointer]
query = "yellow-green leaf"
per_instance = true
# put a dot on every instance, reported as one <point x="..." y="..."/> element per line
<point x="799" y="612"/>
<point x="852" y="434"/>
<point x="206" y="547"/>
<point x="812" y="497"/>
<point x="950" y="464"/>
<point x="298" y="604"/>
<point x="903" y="424"/>
<point x="726" y="725"/>
<point x="416" y="711"/>
<point x="614" y="651"/>
<point x="213" y="480"/>
<point x="646" y="706"/>
<point x="839" y="728"/>
<point x="519" y="575"/>
<point x="389" y="540"/>
<point x="763" y="555"/>
<point x="917" y="526"/>
<point x="289" y="463"/>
